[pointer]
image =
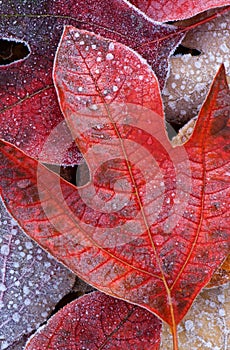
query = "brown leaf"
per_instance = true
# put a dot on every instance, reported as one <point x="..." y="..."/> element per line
<point x="191" y="76"/>
<point x="207" y="324"/>
<point x="221" y="276"/>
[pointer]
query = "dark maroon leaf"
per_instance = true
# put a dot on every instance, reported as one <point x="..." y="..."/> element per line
<point x="98" y="321"/>
<point x="28" y="103"/>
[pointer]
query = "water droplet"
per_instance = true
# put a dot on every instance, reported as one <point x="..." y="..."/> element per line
<point x="111" y="46"/>
<point x="109" y="56"/>
<point x="222" y="312"/>
<point x="16" y="317"/>
<point x="5" y="250"/>
<point x="2" y="287"/>
<point x="189" y="325"/>
<point x="29" y="245"/>
<point x="23" y="183"/>
<point x="93" y="107"/>
<point x="149" y="141"/>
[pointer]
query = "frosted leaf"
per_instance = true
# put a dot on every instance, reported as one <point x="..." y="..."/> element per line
<point x="207" y="323"/>
<point x="190" y="76"/>
<point x="31" y="282"/>
<point x="184" y="133"/>
<point x="98" y="321"/>
<point x="18" y="344"/>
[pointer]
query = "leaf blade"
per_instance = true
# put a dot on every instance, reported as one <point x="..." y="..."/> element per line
<point x="31" y="282"/>
<point x="102" y="322"/>
<point x="129" y="266"/>
<point x="164" y="11"/>
<point x="28" y="104"/>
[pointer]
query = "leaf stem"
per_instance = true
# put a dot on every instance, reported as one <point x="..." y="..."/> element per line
<point x="175" y="337"/>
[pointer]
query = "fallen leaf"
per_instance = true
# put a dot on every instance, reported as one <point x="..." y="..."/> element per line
<point x="31" y="282"/>
<point x="100" y="322"/>
<point x="221" y="276"/>
<point x="191" y="76"/>
<point x="19" y="344"/>
<point x="28" y="103"/>
<point x="173" y="10"/>
<point x="184" y="133"/>
<point x="71" y="45"/>
<point x="206" y="326"/>
<point x="166" y="230"/>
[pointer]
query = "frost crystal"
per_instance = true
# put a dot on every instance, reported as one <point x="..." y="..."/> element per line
<point x="30" y="284"/>
<point x="206" y="326"/>
<point x="109" y="56"/>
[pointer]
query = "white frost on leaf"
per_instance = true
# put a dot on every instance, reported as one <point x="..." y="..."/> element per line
<point x="191" y="76"/>
<point x="207" y="324"/>
<point x="31" y="282"/>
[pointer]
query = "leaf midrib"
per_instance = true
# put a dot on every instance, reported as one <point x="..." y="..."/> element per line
<point x="130" y="173"/>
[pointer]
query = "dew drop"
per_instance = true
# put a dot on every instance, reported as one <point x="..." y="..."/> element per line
<point x="149" y="141"/>
<point x="222" y="312"/>
<point x="29" y="245"/>
<point x="16" y="317"/>
<point x="27" y="301"/>
<point x="2" y="287"/>
<point x="23" y="183"/>
<point x="109" y="56"/>
<point x="93" y="107"/>
<point x="111" y="46"/>
<point x="189" y="325"/>
<point x="5" y="250"/>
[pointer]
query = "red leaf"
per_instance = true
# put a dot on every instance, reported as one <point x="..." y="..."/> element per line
<point x="28" y="104"/>
<point x="97" y="321"/>
<point x="195" y="222"/>
<point x="173" y="10"/>
<point x="154" y="226"/>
